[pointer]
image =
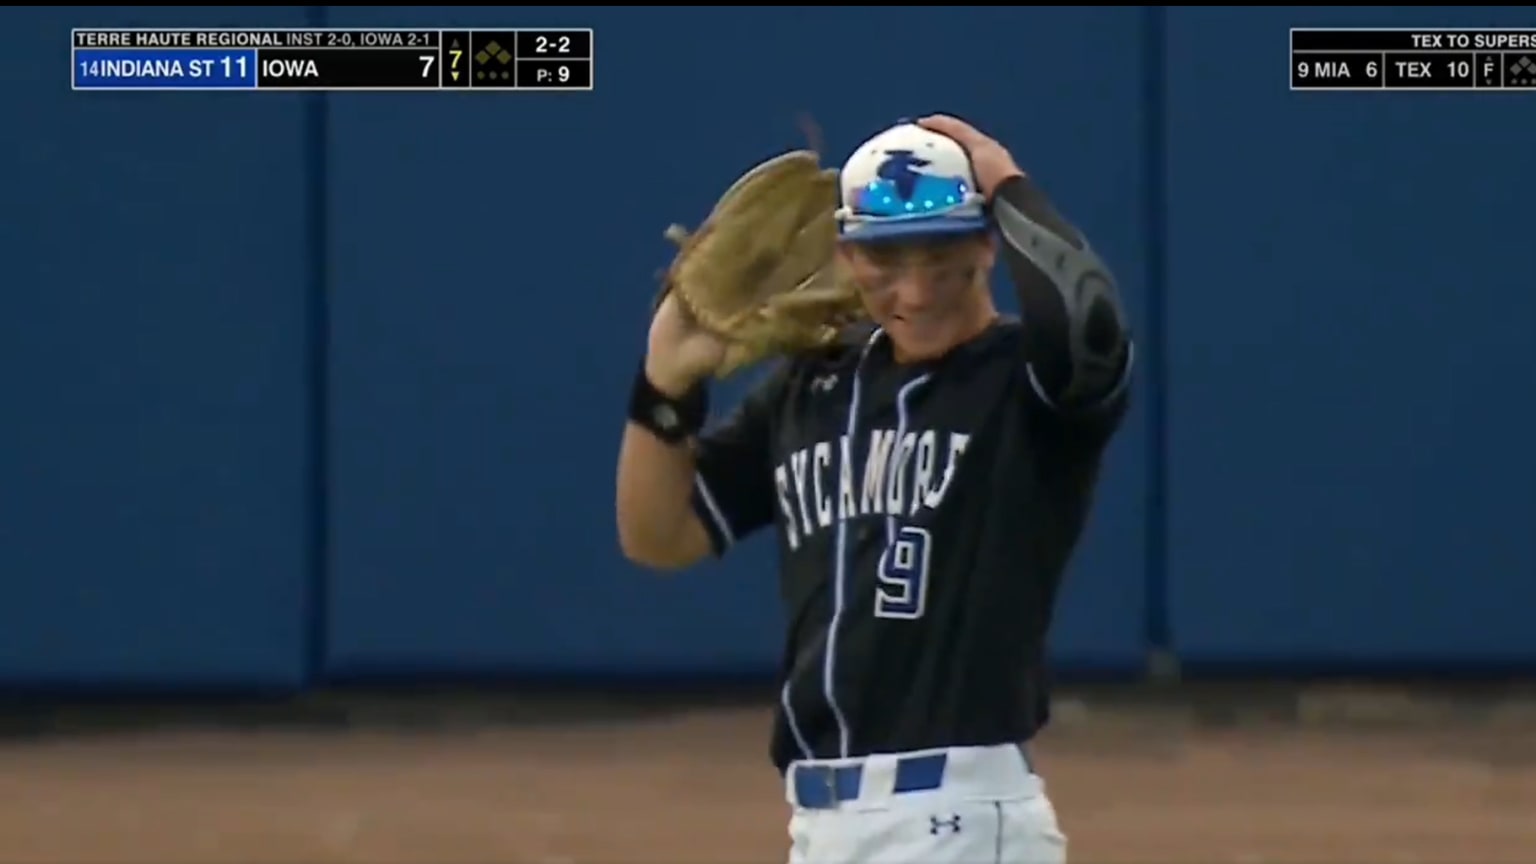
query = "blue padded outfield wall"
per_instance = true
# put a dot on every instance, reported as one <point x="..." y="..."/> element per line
<point x="305" y="387"/>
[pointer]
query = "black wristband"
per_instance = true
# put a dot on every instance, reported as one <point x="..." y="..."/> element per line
<point x="671" y="420"/>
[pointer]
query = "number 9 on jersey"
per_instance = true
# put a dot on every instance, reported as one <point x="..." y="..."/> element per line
<point x="903" y="589"/>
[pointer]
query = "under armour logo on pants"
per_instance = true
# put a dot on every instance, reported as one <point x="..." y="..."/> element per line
<point x="937" y="826"/>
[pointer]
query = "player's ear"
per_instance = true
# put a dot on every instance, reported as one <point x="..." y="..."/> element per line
<point x="845" y="254"/>
<point x="987" y="253"/>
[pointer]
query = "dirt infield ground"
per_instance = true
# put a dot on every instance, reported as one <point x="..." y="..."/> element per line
<point x="1362" y="776"/>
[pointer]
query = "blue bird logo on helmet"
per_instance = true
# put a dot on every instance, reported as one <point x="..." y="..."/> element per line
<point x="909" y="182"/>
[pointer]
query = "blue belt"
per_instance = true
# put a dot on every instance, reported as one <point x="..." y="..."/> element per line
<point x="822" y="787"/>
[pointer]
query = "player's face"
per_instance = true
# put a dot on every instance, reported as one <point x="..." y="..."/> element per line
<point x="924" y="294"/>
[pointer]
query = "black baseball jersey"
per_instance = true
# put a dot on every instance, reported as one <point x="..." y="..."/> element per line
<point x="925" y="513"/>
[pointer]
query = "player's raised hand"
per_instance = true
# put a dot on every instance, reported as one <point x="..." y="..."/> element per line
<point x="991" y="160"/>
<point x="680" y="353"/>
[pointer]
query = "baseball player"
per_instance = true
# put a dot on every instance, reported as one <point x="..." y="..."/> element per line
<point x="928" y="478"/>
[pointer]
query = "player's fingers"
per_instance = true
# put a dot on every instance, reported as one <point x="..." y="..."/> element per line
<point x="953" y="127"/>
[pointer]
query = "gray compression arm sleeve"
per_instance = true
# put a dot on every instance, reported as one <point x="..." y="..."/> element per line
<point x="1078" y="338"/>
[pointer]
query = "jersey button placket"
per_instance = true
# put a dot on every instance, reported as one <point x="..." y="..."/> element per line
<point x="840" y="560"/>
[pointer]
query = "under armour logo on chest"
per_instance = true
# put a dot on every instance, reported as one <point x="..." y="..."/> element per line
<point x="937" y="826"/>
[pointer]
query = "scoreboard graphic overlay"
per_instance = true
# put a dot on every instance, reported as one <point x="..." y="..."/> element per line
<point x="330" y="59"/>
<point x="1411" y="59"/>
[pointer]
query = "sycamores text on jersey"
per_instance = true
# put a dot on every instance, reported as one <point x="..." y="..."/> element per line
<point x="903" y="473"/>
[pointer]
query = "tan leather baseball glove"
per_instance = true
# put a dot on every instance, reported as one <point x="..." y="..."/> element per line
<point x="760" y="271"/>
